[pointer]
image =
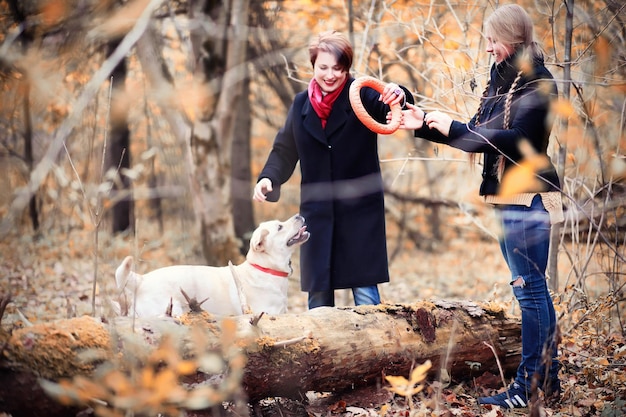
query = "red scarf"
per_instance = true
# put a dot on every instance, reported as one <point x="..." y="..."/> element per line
<point x="323" y="104"/>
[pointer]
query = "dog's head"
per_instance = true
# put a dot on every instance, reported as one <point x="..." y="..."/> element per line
<point x="273" y="242"/>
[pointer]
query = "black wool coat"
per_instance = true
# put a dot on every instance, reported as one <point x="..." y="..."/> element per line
<point x="341" y="194"/>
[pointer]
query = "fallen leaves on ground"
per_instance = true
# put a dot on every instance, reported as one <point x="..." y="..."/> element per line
<point x="53" y="277"/>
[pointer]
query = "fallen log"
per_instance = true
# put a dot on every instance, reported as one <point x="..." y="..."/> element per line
<point x="323" y="350"/>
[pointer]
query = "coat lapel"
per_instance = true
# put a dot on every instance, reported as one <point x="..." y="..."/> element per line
<point x="311" y="122"/>
<point x="340" y="113"/>
<point x="338" y="116"/>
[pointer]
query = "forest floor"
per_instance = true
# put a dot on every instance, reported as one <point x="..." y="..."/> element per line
<point x="52" y="277"/>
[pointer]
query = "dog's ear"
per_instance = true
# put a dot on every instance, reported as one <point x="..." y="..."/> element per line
<point x="257" y="242"/>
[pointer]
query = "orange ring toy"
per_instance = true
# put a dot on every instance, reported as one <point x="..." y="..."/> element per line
<point x="361" y="111"/>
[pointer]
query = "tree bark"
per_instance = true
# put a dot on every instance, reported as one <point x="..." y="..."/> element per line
<point x="29" y="156"/>
<point x="324" y="350"/>
<point x="119" y="158"/>
<point x="223" y="66"/>
<point x="241" y="188"/>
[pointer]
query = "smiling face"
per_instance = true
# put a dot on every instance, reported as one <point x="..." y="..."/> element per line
<point x="508" y="28"/>
<point x="499" y="49"/>
<point x="328" y="73"/>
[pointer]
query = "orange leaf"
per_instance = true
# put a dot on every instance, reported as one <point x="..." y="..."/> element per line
<point x="563" y="108"/>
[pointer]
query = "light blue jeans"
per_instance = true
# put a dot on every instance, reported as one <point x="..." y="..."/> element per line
<point x="362" y="295"/>
<point x="525" y="243"/>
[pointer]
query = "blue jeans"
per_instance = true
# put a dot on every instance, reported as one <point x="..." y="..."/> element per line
<point x="362" y="295"/>
<point x="525" y="242"/>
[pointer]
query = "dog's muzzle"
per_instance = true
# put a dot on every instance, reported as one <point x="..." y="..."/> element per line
<point x="301" y="236"/>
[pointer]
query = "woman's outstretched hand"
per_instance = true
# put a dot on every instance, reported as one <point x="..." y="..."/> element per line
<point x="261" y="188"/>
<point x="414" y="118"/>
<point x="411" y="119"/>
<point x="440" y="121"/>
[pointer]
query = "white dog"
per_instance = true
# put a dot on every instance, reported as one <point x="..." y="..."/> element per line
<point x="260" y="282"/>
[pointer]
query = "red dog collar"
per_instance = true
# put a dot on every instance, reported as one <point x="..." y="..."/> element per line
<point x="271" y="271"/>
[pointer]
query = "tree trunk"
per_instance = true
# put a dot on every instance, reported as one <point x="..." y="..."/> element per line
<point x="241" y="173"/>
<point x="118" y="159"/>
<point x="324" y="350"/>
<point x="223" y="67"/>
<point x="29" y="156"/>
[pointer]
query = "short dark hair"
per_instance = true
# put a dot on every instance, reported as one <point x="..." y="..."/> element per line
<point x="334" y="43"/>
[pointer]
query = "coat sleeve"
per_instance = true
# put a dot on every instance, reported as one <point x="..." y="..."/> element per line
<point x="377" y="108"/>
<point x="529" y="121"/>
<point x="283" y="157"/>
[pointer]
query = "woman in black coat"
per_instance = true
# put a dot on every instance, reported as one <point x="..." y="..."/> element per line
<point x="341" y="195"/>
<point x="511" y="129"/>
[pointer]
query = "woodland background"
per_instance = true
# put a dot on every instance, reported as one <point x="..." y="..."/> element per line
<point x="138" y="127"/>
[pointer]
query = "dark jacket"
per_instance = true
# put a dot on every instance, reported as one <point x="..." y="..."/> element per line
<point x="529" y="120"/>
<point x="341" y="195"/>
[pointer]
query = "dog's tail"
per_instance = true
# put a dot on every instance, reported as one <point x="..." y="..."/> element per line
<point x="124" y="272"/>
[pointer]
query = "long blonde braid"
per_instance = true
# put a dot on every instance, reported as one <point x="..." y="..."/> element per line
<point x="507" y="118"/>
<point x="481" y="104"/>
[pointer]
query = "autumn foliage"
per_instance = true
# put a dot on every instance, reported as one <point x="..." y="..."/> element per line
<point x="189" y="109"/>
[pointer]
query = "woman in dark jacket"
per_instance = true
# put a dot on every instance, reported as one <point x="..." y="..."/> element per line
<point x="341" y="194"/>
<point x="511" y="129"/>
